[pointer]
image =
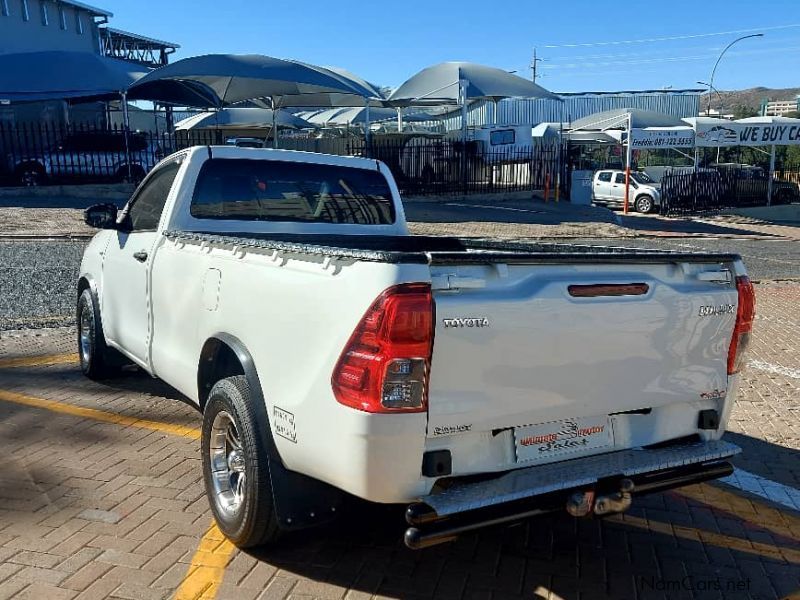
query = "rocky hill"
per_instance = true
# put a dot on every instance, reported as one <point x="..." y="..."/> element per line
<point x="751" y="97"/>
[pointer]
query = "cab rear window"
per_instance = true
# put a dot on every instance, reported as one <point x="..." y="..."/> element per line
<point x="263" y="190"/>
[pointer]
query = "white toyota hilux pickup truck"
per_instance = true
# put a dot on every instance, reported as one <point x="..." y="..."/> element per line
<point x="332" y="353"/>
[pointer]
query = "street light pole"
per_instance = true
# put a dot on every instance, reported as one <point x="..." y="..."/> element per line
<point x="721" y="101"/>
<point x="719" y="58"/>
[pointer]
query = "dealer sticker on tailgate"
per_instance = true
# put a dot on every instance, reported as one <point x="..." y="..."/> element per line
<point x="567" y="438"/>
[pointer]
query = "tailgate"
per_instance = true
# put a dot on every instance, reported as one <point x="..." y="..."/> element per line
<point x="528" y="346"/>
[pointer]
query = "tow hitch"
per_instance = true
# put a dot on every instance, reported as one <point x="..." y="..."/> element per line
<point x="581" y="504"/>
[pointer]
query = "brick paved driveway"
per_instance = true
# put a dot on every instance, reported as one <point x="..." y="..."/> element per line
<point x="101" y="497"/>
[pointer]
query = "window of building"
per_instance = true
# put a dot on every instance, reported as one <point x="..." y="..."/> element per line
<point x="501" y="137"/>
<point x="26" y="16"/>
<point x="45" y="17"/>
<point x="78" y="22"/>
<point x="62" y="17"/>
<point x="4" y="7"/>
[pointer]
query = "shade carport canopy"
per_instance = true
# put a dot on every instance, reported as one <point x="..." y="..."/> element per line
<point x="442" y="83"/>
<point x="236" y="78"/>
<point x="64" y="75"/>
<point x="623" y="118"/>
<point x="243" y="118"/>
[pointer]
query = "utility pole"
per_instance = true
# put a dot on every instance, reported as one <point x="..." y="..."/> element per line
<point x="534" y="62"/>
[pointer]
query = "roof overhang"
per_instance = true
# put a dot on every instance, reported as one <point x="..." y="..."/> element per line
<point x="93" y="10"/>
<point x="141" y="39"/>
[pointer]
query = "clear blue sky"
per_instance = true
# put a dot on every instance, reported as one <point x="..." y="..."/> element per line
<point x="387" y="42"/>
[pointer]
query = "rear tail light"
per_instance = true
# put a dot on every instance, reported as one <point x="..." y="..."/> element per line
<point x="384" y="366"/>
<point x="745" y="314"/>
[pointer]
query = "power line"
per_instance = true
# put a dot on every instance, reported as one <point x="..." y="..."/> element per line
<point x="671" y="38"/>
<point x="663" y="59"/>
<point x="643" y="52"/>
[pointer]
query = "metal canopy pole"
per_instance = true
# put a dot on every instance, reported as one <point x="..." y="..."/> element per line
<point x="125" y="128"/>
<point x="367" y="136"/>
<point x="628" y="154"/>
<point x="771" y="174"/>
<point x="274" y="125"/>
<point x="399" y="120"/>
<point x="462" y="92"/>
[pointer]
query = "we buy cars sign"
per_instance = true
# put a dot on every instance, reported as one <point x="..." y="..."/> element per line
<point x="746" y="134"/>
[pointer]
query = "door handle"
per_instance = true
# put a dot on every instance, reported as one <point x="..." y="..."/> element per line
<point x="141" y="255"/>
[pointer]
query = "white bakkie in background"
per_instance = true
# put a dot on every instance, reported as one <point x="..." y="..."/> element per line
<point x="332" y="353"/>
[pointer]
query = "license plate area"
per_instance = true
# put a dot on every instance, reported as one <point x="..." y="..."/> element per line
<point x="568" y="438"/>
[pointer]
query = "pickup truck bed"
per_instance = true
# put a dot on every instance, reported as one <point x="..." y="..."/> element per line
<point x="431" y="250"/>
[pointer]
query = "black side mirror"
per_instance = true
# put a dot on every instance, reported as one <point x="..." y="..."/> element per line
<point x="101" y="216"/>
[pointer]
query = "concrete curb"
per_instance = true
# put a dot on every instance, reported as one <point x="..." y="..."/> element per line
<point x="100" y="191"/>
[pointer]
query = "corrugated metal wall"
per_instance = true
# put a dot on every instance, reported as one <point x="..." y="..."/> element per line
<point x="518" y="111"/>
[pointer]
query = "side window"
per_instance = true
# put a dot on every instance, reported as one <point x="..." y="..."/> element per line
<point x="620" y="178"/>
<point x="604" y="176"/>
<point x="146" y="207"/>
<point x="501" y="137"/>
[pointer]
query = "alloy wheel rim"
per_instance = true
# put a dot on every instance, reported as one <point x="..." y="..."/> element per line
<point x="227" y="464"/>
<point x="85" y="335"/>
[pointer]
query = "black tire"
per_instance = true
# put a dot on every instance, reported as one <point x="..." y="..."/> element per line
<point x="30" y="174"/>
<point x="783" y="197"/>
<point x="136" y="175"/>
<point x="97" y="359"/>
<point x="237" y="476"/>
<point x="644" y="204"/>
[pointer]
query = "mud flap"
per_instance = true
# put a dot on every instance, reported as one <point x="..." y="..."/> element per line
<point x="299" y="501"/>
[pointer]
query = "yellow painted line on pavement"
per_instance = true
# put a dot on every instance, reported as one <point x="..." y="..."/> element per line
<point x="709" y="537"/>
<point x="38" y="361"/>
<point x="98" y="415"/>
<point x="207" y="567"/>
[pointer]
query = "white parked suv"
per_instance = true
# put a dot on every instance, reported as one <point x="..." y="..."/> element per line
<point x="608" y="187"/>
<point x="332" y="353"/>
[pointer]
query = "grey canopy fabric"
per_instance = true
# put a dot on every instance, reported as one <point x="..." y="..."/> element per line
<point x="235" y="78"/>
<point x="244" y="118"/>
<point x="618" y="119"/>
<point x="439" y="84"/>
<point x="358" y="116"/>
<point x="64" y="75"/>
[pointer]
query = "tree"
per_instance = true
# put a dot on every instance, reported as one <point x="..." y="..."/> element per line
<point x="742" y="112"/>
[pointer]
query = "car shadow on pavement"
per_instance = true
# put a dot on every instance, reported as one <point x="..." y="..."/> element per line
<point x="652" y="549"/>
<point x="686" y="226"/>
<point x="765" y="459"/>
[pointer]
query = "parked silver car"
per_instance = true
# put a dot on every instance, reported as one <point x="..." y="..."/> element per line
<point x="89" y="156"/>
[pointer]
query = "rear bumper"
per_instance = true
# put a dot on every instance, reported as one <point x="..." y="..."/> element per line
<point x="464" y="506"/>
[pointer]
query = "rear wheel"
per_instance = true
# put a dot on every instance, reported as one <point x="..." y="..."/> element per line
<point x="31" y="175"/>
<point x="135" y="177"/>
<point x="97" y="359"/>
<point x="783" y="196"/>
<point x="643" y="204"/>
<point x="236" y="465"/>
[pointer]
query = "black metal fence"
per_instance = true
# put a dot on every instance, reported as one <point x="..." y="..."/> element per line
<point x="44" y="154"/>
<point x="687" y="191"/>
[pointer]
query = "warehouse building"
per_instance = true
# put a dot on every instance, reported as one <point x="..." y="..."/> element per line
<point x="68" y="25"/>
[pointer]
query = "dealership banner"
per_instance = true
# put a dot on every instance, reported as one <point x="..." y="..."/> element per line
<point x="666" y="137"/>
<point x="746" y="134"/>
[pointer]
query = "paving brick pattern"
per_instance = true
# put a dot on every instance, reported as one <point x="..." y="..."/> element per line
<point x="92" y="509"/>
